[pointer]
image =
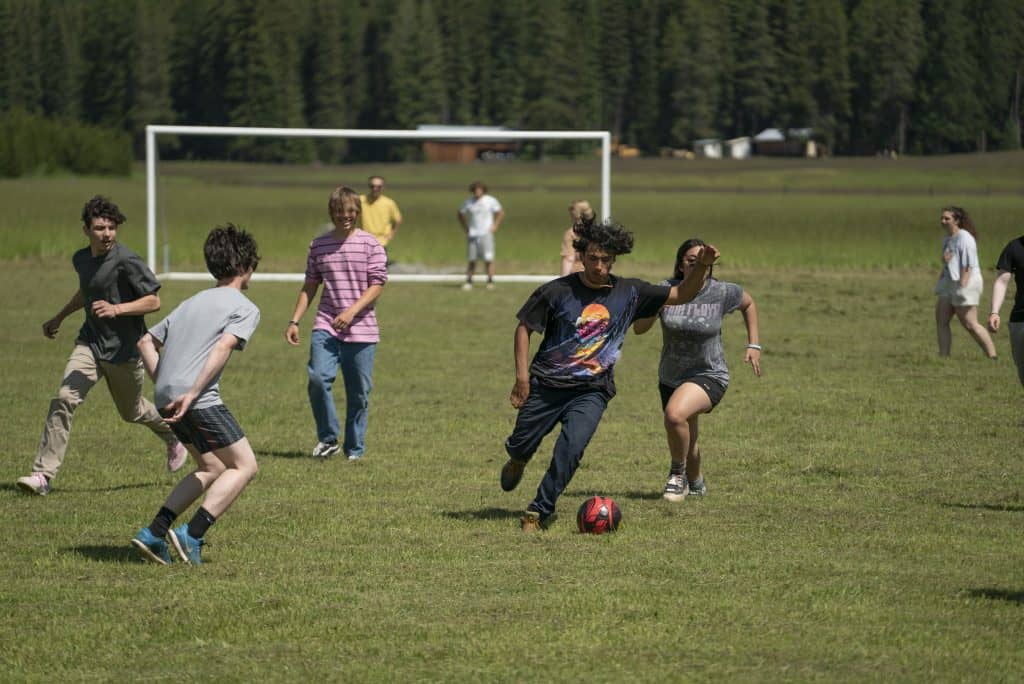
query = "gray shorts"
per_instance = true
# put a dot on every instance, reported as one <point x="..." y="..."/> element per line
<point x="961" y="296"/>
<point x="480" y="247"/>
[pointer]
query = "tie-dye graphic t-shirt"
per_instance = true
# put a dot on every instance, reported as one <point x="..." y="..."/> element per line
<point x="584" y="328"/>
<point x="692" y="334"/>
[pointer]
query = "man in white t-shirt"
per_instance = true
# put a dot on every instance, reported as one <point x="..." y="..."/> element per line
<point x="480" y="216"/>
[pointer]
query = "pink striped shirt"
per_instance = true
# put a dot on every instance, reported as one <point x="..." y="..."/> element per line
<point x="346" y="268"/>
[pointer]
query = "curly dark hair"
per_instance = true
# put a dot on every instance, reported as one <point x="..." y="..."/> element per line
<point x="101" y="207"/>
<point x="230" y="252"/>
<point x="608" y="235"/>
<point x="963" y="220"/>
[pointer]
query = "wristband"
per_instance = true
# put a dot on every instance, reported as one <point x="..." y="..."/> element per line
<point x="295" y="323"/>
<point x="754" y="346"/>
<point x="994" y="313"/>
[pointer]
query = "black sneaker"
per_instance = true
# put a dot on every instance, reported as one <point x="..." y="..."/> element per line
<point x="511" y="474"/>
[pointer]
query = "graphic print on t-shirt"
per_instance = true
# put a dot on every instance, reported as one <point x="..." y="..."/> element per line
<point x="591" y="335"/>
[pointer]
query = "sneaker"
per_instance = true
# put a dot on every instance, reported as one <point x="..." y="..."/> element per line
<point x="511" y="474"/>
<point x="675" y="488"/>
<point x="354" y="457"/>
<point x="466" y="287"/>
<point x="325" y="449"/>
<point x="530" y="522"/>
<point x="152" y="548"/>
<point x="177" y="454"/>
<point x="187" y="547"/>
<point x="698" y="488"/>
<point x="36" y="483"/>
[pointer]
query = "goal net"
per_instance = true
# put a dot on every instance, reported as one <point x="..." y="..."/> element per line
<point x="179" y="203"/>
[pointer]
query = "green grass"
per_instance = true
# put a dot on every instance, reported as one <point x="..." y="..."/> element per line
<point x="863" y="518"/>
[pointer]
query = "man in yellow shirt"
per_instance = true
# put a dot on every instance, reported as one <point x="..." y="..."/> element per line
<point x="380" y="215"/>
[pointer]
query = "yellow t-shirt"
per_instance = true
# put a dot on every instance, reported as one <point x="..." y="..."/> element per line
<point x="379" y="217"/>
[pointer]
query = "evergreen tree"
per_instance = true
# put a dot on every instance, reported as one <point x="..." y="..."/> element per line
<point x="107" y="48"/>
<point x="614" y="61"/>
<point x="886" y="47"/>
<point x="694" y="71"/>
<point x="504" y="75"/>
<point x="151" y="82"/>
<point x="826" y="33"/>
<point x="642" y="104"/>
<point x="754" y="77"/>
<point x="998" y="47"/>
<point x="62" y="60"/>
<point x="948" y="114"/>
<point x="795" y="104"/>
<point x="326" y="95"/>
<point x="550" y="77"/>
<point x="458" y="23"/>
<point x="21" y="28"/>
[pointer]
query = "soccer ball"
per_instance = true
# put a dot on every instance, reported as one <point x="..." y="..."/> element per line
<point x="598" y="514"/>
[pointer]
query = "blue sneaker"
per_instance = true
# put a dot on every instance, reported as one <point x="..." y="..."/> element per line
<point x="151" y="547"/>
<point x="186" y="546"/>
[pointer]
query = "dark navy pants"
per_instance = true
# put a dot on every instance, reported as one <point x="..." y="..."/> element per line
<point x="579" y="411"/>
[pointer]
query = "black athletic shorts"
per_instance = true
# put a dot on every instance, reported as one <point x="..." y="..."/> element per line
<point x="208" y="429"/>
<point x="714" y="389"/>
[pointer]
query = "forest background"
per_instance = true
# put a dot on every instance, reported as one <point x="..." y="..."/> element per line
<point x="914" y="76"/>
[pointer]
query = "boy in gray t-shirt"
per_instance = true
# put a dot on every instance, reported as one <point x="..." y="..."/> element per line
<point x="194" y="343"/>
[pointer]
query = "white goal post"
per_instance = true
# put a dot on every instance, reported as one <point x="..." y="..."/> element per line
<point x="152" y="131"/>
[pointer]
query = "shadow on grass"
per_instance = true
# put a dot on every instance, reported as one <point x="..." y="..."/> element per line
<point x="999" y="595"/>
<point x="484" y="514"/>
<point x="641" y="495"/>
<point x="113" y="488"/>
<point x="1008" y="508"/>
<point x="278" y="453"/>
<point x="107" y="554"/>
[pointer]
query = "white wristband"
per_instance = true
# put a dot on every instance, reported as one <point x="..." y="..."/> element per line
<point x="754" y="346"/>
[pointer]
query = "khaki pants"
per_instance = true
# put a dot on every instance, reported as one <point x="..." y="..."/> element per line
<point x="124" y="380"/>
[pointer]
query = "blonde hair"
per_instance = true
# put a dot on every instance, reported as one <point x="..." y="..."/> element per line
<point x="344" y="195"/>
<point x="581" y="211"/>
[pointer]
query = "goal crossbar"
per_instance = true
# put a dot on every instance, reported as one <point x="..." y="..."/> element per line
<point x="471" y="134"/>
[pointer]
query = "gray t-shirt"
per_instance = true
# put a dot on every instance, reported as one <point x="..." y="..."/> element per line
<point x="189" y="333"/>
<point x="691" y="340"/>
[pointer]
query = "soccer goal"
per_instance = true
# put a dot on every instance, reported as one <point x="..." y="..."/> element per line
<point x="152" y="170"/>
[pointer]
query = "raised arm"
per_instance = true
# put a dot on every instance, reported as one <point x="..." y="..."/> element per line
<point x="521" y="352"/>
<point x="51" y="326"/>
<point x="753" y="354"/>
<point x="998" y="295"/>
<point x="688" y="289"/>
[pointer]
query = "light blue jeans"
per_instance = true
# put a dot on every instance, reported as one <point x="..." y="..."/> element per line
<point x="326" y="354"/>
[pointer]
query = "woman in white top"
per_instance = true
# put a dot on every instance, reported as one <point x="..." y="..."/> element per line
<point x="960" y="283"/>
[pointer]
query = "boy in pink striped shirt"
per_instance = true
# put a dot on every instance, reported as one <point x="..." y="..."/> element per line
<point x="350" y="264"/>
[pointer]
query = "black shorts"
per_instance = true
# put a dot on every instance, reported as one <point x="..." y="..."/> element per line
<point x="208" y="429"/>
<point x="714" y="389"/>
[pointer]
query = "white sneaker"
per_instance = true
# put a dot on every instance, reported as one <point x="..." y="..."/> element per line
<point x="36" y="483"/>
<point x="177" y="454"/>
<point x="466" y="287"/>
<point x="675" y="488"/>
<point x="325" y="449"/>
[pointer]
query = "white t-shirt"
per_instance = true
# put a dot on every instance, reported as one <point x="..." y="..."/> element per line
<point x="964" y="251"/>
<point x="479" y="214"/>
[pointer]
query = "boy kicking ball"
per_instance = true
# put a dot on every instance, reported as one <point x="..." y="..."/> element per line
<point x="185" y="354"/>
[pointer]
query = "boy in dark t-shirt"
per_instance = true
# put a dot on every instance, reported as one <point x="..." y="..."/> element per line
<point x="584" y="318"/>
<point x="116" y="289"/>
<point x="1011" y="262"/>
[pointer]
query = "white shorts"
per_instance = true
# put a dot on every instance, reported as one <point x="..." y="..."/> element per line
<point x="961" y="296"/>
<point x="480" y="247"/>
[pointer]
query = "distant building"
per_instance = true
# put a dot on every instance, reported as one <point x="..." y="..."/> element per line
<point x="708" y="148"/>
<point x="468" y="150"/>
<point x="738" y="148"/>
<point x="795" y="142"/>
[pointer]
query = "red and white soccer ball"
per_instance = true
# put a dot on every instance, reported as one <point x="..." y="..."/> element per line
<point x="598" y="514"/>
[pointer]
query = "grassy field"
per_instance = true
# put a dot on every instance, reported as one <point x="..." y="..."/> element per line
<point x="865" y="498"/>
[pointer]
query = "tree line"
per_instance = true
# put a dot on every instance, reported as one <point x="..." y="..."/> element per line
<point x="917" y="76"/>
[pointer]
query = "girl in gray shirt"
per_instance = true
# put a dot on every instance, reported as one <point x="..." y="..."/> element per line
<point x="692" y="375"/>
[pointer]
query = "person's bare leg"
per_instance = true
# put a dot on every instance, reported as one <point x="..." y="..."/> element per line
<point x="943" y="315"/>
<point x="686" y="403"/>
<point x="490" y="271"/>
<point x="192" y="486"/>
<point x="239" y="463"/>
<point x="968" y="317"/>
